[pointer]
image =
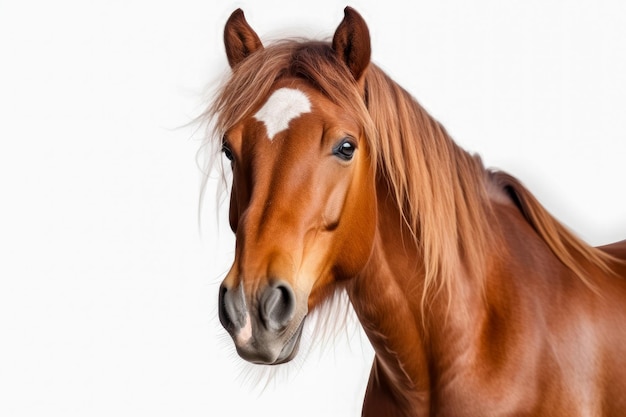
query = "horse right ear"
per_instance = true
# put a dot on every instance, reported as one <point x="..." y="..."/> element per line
<point x="239" y="38"/>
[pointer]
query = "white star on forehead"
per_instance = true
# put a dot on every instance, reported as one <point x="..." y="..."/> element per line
<point x="284" y="105"/>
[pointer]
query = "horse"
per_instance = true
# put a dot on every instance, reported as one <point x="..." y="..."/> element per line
<point x="476" y="300"/>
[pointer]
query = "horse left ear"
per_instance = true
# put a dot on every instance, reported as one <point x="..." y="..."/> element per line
<point x="351" y="42"/>
<point x="239" y="38"/>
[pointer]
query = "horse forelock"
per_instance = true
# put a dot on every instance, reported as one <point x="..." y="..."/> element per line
<point x="252" y="81"/>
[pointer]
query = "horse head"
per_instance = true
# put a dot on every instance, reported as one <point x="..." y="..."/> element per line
<point x="303" y="198"/>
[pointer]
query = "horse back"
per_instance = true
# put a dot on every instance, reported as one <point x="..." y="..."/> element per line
<point x="616" y="249"/>
<point x="614" y="333"/>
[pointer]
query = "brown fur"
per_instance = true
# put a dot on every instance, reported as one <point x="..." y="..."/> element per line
<point x="476" y="300"/>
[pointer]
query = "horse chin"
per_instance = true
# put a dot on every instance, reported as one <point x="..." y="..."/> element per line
<point x="290" y="349"/>
<point x="267" y="355"/>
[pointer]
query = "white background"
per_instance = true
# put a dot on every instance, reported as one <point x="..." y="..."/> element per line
<point x="108" y="286"/>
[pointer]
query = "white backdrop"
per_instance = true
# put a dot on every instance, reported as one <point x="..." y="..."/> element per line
<point x="108" y="286"/>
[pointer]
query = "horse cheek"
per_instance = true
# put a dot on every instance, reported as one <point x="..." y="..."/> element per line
<point x="357" y="232"/>
<point x="233" y="212"/>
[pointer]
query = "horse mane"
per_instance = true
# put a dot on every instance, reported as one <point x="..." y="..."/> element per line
<point x="438" y="187"/>
<point x="440" y="190"/>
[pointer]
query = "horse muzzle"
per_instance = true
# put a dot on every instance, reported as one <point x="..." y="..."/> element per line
<point x="267" y="328"/>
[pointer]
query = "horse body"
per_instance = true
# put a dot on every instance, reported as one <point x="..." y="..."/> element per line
<point x="533" y="344"/>
<point x="477" y="301"/>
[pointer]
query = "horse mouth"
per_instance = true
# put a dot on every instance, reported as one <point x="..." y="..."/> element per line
<point x="290" y="349"/>
<point x="267" y="349"/>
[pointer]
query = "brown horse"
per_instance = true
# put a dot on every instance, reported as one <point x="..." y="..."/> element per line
<point x="476" y="300"/>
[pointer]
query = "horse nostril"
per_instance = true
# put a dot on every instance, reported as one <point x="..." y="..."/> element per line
<point x="225" y="309"/>
<point x="277" y="307"/>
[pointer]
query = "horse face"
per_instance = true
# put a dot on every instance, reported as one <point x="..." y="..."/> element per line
<point x="303" y="205"/>
<point x="303" y="210"/>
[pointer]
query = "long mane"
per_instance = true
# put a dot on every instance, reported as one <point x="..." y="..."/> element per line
<point x="440" y="190"/>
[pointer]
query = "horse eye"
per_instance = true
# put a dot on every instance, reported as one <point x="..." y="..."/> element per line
<point x="227" y="152"/>
<point x="345" y="150"/>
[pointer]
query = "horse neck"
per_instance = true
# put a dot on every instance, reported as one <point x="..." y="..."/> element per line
<point x="420" y="346"/>
<point x="411" y="337"/>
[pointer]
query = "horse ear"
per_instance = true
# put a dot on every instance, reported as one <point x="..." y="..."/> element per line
<point x="351" y="42"/>
<point x="239" y="38"/>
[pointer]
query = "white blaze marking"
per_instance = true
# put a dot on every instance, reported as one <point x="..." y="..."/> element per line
<point x="246" y="332"/>
<point x="281" y="108"/>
